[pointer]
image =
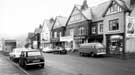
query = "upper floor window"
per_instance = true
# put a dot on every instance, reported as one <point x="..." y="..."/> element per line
<point x="93" y="29"/>
<point x="113" y="25"/>
<point x="101" y="27"/>
<point x="60" y="34"/>
<point x="71" y="32"/>
<point x="81" y="31"/>
<point x="55" y="34"/>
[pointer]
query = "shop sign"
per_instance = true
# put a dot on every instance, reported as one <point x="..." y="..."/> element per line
<point x="67" y="38"/>
<point x="55" y="40"/>
<point x="130" y="27"/>
<point x="116" y="37"/>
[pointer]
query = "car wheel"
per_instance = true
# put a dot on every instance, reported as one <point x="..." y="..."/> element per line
<point x="42" y="65"/>
<point x="10" y="58"/>
<point x="92" y="54"/>
<point x="80" y="53"/>
<point x="20" y="63"/>
<point x="24" y="65"/>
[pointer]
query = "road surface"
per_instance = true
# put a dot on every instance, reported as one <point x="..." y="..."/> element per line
<point x="78" y="65"/>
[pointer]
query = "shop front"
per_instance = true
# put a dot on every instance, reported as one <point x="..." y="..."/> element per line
<point x="115" y="44"/>
<point x="55" y="42"/>
<point x="79" y="40"/>
<point x="67" y="41"/>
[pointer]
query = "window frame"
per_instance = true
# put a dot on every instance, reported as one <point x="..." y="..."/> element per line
<point x="115" y="8"/>
<point x="101" y="27"/>
<point x="71" y="32"/>
<point x="81" y="30"/>
<point x="93" y="29"/>
<point x="112" y="25"/>
<point x="55" y="34"/>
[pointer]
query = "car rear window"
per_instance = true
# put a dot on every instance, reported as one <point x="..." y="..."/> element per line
<point x="34" y="53"/>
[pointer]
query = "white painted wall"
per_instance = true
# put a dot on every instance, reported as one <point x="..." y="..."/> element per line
<point x="130" y="45"/>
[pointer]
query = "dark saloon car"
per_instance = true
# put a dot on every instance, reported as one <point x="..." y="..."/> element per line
<point x="32" y="57"/>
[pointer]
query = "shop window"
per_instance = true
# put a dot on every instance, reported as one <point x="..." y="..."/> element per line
<point x="113" y="25"/>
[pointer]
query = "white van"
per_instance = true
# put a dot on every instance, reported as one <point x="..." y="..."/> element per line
<point x="92" y="49"/>
<point x="15" y="54"/>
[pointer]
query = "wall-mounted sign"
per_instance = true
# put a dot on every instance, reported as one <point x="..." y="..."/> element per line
<point x="66" y="38"/>
<point x="130" y="27"/>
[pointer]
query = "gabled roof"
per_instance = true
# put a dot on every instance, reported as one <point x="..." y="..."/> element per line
<point x="48" y="23"/>
<point x="85" y="12"/>
<point x="30" y="35"/>
<point x="124" y="4"/>
<point x="61" y="22"/>
<point x="97" y="11"/>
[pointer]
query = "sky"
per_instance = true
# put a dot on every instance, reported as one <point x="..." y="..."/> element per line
<point x="18" y="17"/>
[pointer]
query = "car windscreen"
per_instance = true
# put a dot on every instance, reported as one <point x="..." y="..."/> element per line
<point x="33" y="53"/>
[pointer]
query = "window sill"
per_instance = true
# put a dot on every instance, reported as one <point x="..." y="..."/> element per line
<point x="114" y="31"/>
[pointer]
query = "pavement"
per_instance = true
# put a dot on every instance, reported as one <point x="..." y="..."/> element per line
<point x="7" y="67"/>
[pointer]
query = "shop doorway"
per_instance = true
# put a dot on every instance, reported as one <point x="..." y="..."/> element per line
<point x="115" y="44"/>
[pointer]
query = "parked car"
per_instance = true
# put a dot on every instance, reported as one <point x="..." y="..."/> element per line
<point x="15" y="54"/>
<point x="68" y="49"/>
<point x="60" y="50"/>
<point x="92" y="49"/>
<point x="30" y="58"/>
<point x="47" y="50"/>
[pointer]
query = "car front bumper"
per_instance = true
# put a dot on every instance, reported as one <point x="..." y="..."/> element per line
<point x="102" y="53"/>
